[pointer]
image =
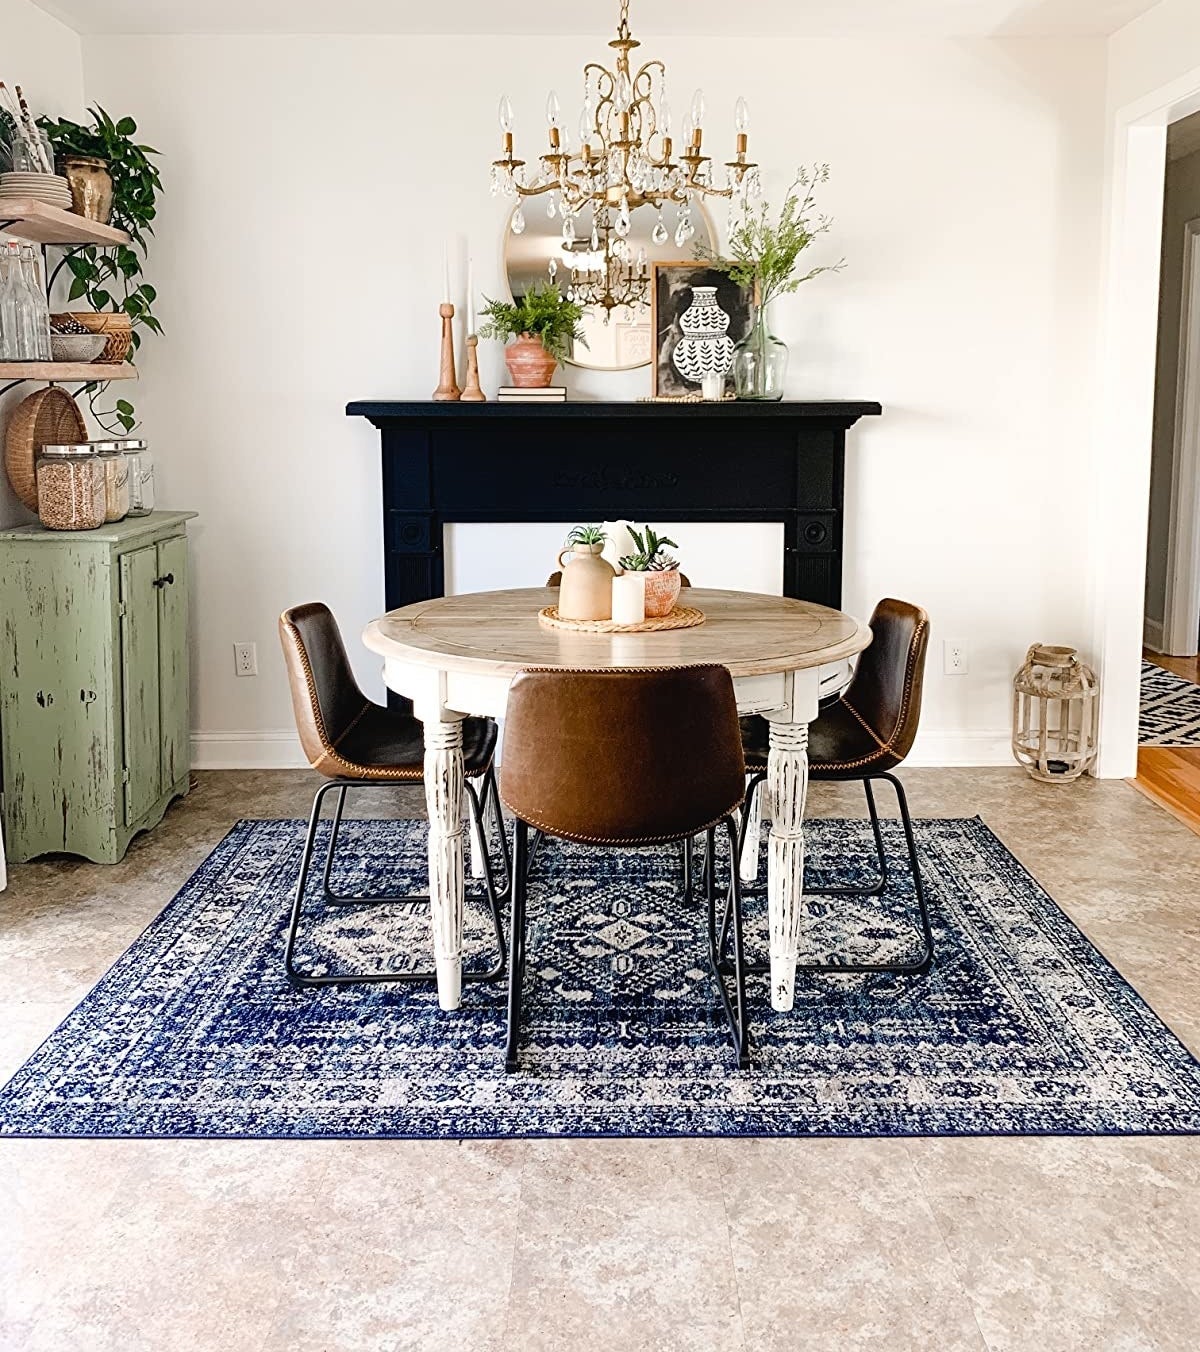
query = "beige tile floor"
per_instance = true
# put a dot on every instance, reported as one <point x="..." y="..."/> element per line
<point x="252" y="1246"/>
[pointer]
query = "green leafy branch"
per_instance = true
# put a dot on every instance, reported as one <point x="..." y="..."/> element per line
<point x="110" y="279"/>
<point x="763" y="254"/>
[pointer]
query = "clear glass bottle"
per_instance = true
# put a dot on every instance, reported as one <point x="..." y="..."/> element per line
<point x="760" y="361"/>
<point x="39" y="306"/>
<point x="17" y="308"/>
<point x="70" y="483"/>
<point x="115" y="465"/>
<point x="141" y="475"/>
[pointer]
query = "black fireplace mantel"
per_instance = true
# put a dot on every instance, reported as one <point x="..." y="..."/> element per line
<point x="603" y="461"/>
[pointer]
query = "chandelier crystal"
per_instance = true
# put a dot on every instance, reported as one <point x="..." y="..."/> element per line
<point x="625" y="160"/>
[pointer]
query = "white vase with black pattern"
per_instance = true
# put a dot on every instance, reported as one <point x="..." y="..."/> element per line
<point x="705" y="348"/>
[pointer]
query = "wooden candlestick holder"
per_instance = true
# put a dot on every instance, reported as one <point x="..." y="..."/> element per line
<point x="447" y="383"/>
<point x="472" y="394"/>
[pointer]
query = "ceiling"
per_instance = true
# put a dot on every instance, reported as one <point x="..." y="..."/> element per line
<point x="805" y="18"/>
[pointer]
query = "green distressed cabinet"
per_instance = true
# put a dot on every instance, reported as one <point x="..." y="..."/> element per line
<point x="93" y="683"/>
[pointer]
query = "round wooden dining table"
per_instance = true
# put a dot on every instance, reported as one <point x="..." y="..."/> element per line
<point x="455" y="656"/>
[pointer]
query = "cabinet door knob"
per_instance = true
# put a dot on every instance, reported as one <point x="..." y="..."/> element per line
<point x="166" y="580"/>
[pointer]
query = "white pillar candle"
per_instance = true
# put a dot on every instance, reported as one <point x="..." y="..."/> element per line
<point x="629" y="598"/>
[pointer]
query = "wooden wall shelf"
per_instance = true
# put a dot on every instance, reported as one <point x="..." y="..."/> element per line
<point x="40" y="223"/>
<point x="67" y="371"/>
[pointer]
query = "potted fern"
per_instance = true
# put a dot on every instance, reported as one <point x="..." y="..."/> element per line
<point x="659" y="570"/>
<point x="539" y="329"/>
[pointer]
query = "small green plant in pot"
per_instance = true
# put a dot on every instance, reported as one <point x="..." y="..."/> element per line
<point x="539" y="329"/>
<point x="659" y="569"/>
<point x="110" y="279"/>
<point x="585" y="585"/>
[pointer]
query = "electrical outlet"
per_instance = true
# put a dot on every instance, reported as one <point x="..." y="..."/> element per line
<point x="954" y="659"/>
<point x="245" y="659"/>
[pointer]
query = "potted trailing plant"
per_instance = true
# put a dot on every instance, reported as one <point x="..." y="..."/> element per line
<point x="659" y="569"/>
<point x="585" y="592"/>
<point x="539" y="329"/>
<point x="110" y="279"/>
<point x="764" y="255"/>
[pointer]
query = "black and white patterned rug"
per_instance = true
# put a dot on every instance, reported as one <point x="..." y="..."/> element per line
<point x="1022" y="1026"/>
<point x="1170" y="709"/>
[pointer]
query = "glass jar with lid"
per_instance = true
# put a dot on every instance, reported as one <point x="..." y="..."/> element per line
<point x="115" y="465"/>
<point x="70" y="487"/>
<point x="141" y="475"/>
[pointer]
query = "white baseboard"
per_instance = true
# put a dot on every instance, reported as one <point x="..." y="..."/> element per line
<point x="281" y="750"/>
<point x="947" y="750"/>
<point x="1152" y="634"/>
<point x="247" y="751"/>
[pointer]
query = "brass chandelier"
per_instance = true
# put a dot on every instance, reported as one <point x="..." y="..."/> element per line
<point x="625" y="159"/>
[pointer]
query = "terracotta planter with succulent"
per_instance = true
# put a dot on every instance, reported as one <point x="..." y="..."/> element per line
<point x="541" y="325"/>
<point x="659" y="570"/>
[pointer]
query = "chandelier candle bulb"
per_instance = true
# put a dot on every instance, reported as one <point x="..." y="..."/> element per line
<point x="629" y="598"/>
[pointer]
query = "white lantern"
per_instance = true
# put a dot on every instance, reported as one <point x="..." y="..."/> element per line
<point x="1055" y="714"/>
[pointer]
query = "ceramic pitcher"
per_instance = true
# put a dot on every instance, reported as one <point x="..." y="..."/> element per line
<point x="585" y="592"/>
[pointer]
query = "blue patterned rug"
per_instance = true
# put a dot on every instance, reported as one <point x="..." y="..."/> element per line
<point x="1021" y="1027"/>
<point x="1170" y="709"/>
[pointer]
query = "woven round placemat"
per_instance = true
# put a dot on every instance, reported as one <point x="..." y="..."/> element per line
<point x="682" y="617"/>
<point x="47" y="417"/>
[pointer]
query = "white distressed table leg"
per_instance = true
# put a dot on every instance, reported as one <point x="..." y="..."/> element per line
<point x="444" y="801"/>
<point x="749" y="863"/>
<point x="787" y="781"/>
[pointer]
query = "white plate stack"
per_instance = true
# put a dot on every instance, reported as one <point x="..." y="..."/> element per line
<point x="49" y="188"/>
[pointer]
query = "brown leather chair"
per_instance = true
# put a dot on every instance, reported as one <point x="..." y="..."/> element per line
<point x="674" y="770"/>
<point x="865" y="734"/>
<point x="359" y="744"/>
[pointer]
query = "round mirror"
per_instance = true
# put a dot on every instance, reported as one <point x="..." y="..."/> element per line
<point x="618" y="339"/>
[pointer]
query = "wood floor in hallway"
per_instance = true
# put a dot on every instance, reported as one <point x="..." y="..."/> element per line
<point x="1170" y="775"/>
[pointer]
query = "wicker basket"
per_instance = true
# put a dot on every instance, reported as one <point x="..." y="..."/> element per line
<point x="117" y="328"/>
<point x="47" y="417"/>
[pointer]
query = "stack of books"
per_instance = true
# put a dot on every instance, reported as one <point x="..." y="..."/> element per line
<point x="545" y="394"/>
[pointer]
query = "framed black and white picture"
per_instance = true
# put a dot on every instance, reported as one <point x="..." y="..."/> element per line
<point x="703" y="297"/>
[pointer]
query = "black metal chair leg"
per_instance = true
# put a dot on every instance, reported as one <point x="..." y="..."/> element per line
<point x="304" y="979"/>
<point x="685" y="847"/>
<point x="298" y="978"/>
<point x="735" y="1009"/>
<point x="516" y="964"/>
<point x="492" y="792"/>
<point x="919" y="965"/>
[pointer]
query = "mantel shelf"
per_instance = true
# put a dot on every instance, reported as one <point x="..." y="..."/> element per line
<point x="66" y="371"/>
<point x="40" y="223"/>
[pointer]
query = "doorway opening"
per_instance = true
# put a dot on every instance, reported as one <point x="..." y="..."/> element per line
<point x="1169" y="722"/>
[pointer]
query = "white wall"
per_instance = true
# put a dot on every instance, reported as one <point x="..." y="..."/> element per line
<point x="310" y="182"/>
<point x="45" y="58"/>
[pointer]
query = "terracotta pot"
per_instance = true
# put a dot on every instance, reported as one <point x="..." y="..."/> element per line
<point x="585" y="592"/>
<point x="662" y="591"/>
<point x="530" y="366"/>
<point x="91" y="187"/>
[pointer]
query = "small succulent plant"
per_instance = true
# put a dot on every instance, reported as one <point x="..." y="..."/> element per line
<point x="586" y="535"/>
<point x="651" y="554"/>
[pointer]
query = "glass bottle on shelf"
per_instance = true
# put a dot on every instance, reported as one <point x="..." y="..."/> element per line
<point x="17" y="307"/>
<point x="141" y="475"/>
<point x="40" y="308"/>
